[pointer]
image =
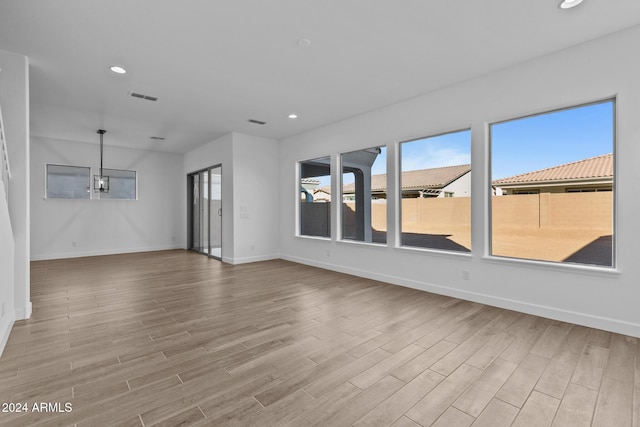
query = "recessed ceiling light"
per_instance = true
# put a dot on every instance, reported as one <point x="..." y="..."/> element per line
<point x="568" y="4"/>
<point x="117" y="69"/>
<point x="293" y="116"/>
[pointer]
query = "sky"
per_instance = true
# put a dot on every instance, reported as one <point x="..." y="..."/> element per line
<point x="450" y="149"/>
<point x="552" y="139"/>
<point x="517" y="146"/>
<point x="445" y="150"/>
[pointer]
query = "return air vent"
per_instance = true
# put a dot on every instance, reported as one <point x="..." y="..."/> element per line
<point x="142" y="96"/>
<point x="258" y="122"/>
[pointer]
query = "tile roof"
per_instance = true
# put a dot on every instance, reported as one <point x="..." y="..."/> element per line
<point x="323" y="189"/>
<point x="594" y="167"/>
<point x="418" y="179"/>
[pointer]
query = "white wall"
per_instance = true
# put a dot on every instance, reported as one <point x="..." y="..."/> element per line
<point x="591" y="296"/>
<point x="461" y="187"/>
<point x="256" y="198"/>
<point x="249" y="194"/>
<point x="14" y="89"/>
<point x="98" y="227"/>
<point x="7" y="249"/>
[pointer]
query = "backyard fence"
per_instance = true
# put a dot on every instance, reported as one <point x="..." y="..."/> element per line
<point x="545" y="210"/>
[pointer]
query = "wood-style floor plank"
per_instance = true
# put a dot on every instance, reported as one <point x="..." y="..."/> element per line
<point x="576" y="408"/>
<point x="394" y="407"/>
<point x="479" y="394"/>
<point x="175" y="338"/>
<point x="496" y="414"/>
<point x="518" y="387"/>
<point x="539" y="410"/>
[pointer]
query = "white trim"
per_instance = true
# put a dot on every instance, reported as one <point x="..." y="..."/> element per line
<point x="434" y="251"/>
<point x="63" y="255"/>
<point x="588" y="269"/>
<point x="246" y="260"/>
<point x="584" y="319"/>
<point x="320" y="238"/>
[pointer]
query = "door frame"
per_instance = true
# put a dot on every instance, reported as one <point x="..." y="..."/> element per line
<point x="190" y="183"/>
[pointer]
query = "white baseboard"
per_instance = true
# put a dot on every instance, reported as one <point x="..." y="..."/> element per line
<point x="247" y="260"/>
<point x="23" y="313"/>
<point x="228" y="260"/>
<point x="6" y="324"/>
<point x="584" y="319"/>
<point x="65" y="255"/>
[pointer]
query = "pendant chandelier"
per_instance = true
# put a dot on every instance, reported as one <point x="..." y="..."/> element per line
<point x="101" y="182"/>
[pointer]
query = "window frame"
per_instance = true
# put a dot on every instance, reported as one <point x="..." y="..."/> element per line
<point x="46" y="181"/>
<point x="341" y="197"/>
<point x="554" y="265"/>
<point x="399" y="197"/>
<point x="105" y="172"/>
<point x="298" y="178"/>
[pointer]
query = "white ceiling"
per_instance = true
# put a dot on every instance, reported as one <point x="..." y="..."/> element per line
<point x="214" y="64"/>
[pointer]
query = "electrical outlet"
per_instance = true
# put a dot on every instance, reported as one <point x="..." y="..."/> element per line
<point x="74" y="244"/>
<point x="465" y="275"/>
<point x="328" y="253"/>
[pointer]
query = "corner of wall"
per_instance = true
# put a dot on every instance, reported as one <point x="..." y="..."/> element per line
<point x="14" y="87"/>
<point x="5" y="331"/>
<point x="23" y="313"/>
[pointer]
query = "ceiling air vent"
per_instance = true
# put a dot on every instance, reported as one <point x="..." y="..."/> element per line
<point x="258" y="122"/>
<point x="157" y="138"/>
<point x="142" y="96"/>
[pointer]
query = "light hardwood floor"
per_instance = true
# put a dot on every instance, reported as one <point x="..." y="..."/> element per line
<point x="174" y="338"/>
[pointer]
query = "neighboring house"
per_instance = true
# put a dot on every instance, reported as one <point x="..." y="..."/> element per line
<point x="312" y="193"/>
<point x="322" y="194"/>
<point x="307" y="187"/>
<point x="449" y="181"/>
<point x="588" y="175"/>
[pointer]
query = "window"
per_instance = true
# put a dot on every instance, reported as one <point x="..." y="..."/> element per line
<point x="567" y="156"/>
<point x="364" y="195"/>
<point x="315" y="197"/>
<point x="586" y="190"/>
<point x="122" y="184"/>
<point x="435" y="183"/>
<point x="68" y="182"/>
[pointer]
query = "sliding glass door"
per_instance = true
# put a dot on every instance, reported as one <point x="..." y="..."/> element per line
<point x="205" y="211"/>
<point x="215" y="212"/>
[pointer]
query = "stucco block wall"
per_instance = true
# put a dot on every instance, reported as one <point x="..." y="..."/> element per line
<point x="554" y="210"/>
<point x="588" y="211"/>
<point x="580" y="210"/>
<point x="437" y="212"/>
